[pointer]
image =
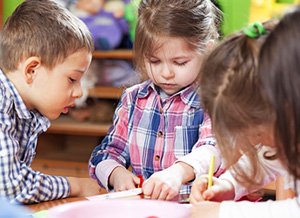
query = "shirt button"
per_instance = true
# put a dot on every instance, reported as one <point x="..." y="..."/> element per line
<point x="159" y="134"/>
<point x="161" y="111"/>
<point x="157" y="157"/>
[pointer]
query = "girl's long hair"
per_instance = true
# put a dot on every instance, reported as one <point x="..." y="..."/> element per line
<point x="279" y="71"/>
<point x="229" y="92"/>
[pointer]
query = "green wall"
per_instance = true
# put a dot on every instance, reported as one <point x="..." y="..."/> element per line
<point x="9" y="6"/>
<point x="236" y="15"/>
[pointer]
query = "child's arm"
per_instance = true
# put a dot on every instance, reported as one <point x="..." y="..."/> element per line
<point x="166" y="184"/>
<point x="269" y="170"/>
<point x="121" y="179"/>
<point x="227" y="187"/>
<point x="206" y="210"/>
<point x="18" y="182"/>
<point x="247" y="209"/>
<point x="83" y="187"/>
<point x="113" y="151"/>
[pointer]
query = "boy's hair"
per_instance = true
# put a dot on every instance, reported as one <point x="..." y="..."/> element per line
<point x="44" y="29"/>
<point x="279" y="71"/>
<point x="229" y="92"/>
<point x="196" y="21"/>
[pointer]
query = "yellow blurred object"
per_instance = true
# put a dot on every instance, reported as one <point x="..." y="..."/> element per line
<point x="263" y="10"/>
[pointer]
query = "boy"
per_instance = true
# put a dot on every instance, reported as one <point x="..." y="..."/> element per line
<point x="44" y="52"/>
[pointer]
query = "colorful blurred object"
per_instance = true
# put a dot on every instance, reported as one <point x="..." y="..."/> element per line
<point x="238" y="14"/>
<point x="9" y="6"/>
<point x="131" y="15"/>
<point x="263" y="10"/>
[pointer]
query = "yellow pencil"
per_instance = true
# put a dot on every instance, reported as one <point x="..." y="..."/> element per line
<point x="211" y="171"/>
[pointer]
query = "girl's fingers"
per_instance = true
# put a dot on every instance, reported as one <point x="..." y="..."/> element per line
<point x="198" y="188"/>
<point x="148" y="188"/>
<point x="155" y="193"/>
<point x="163" y="195"/>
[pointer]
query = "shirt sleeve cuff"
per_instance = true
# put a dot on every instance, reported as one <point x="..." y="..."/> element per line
<point x="103" y="171"/>
<point x="200" y="158"/>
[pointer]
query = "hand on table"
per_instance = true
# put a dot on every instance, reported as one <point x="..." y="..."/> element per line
<point x="220" y="190"/>
<point x="83" y="187"/>
<point x="165" y="185"/>
<point x="162" y="185"/>
<point x="121" y="179"/>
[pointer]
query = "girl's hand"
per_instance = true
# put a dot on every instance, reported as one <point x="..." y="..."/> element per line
<point x="162" y="185"/>
<point x="83" y="187"/>
<point x="121" y="179"/>
<point x="166" y="184"/>
<point x="220" y="190"/>
<point x="206" y="210"/>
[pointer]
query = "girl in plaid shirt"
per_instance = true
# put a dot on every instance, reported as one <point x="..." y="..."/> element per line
<point x="161" y="120"/>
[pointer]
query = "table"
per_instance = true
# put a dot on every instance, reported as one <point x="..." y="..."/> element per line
<point x="49" y="204"/>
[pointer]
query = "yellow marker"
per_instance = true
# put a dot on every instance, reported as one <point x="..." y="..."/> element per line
<point x="211" y="171"/>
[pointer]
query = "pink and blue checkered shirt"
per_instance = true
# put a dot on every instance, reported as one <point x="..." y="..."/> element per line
<point x="150" y="133"/>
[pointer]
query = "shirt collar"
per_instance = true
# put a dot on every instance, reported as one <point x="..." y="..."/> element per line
<point x="188" y="95"/>
<point x="19" y="105"/>
<point x="18" y="102"/>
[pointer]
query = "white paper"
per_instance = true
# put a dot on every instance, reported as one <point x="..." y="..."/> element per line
<point x="112" y="195"/>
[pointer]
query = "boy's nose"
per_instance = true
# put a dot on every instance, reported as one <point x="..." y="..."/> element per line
<point x="77" y="93"/>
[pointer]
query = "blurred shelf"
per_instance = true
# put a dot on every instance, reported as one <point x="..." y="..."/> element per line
<point x="66" y="125"/>
<point x="106" y="92"/>
<point x="61" y="167"/>
<point x="114" y="54"/>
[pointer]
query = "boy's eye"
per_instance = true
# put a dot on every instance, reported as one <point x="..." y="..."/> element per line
<point x="73" y="80"/>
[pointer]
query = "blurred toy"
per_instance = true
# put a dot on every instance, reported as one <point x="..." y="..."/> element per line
<point x="270" y="9"/>
<point x="102" y="72"/>
<point x="105" y="72"/>
<point x="105" y="20"/>
<point x="131" y="16"/>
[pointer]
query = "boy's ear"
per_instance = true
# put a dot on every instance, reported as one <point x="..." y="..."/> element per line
<point x="210" y="45"/>
<point x="30" y="69"/>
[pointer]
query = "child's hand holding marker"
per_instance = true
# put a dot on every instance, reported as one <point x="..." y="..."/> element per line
<point x="220" y="190"/>
<point x="208" y="187"/>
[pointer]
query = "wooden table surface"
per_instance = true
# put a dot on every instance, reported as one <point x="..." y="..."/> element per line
<point x="49" y="204"/>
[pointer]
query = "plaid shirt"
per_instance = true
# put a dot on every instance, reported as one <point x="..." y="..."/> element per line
<point x="150" y="134"/>
<point x="19" y="129"/>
